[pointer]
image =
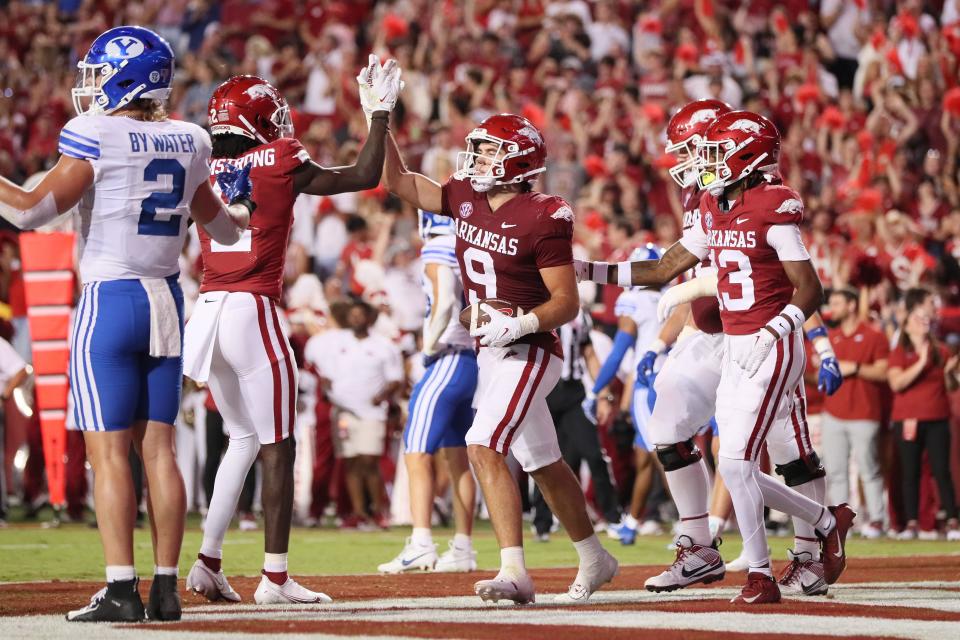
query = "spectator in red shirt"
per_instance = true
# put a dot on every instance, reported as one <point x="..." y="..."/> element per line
<point x="921" y="374"/>
<point x="851" y="416"/>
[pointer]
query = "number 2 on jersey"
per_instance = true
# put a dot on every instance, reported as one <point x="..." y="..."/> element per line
<point x="149" y="225"/>
<point x="482" y="282"/>
<point x="741" y="276"/>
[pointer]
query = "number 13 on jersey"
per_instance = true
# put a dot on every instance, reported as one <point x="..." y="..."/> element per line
<point x="740" y="276"/>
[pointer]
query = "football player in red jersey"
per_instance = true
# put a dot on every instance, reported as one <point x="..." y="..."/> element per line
<point x="235" y="340"/>
<point x="767" y="288"/>
<point x="516" y="245"/>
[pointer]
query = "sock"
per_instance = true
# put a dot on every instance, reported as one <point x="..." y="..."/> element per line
<point x="240" y="456"/>
<point x="825" y="522"/>
<point x="589" y="550"/>
<point x="780" y="497"/>
<point x="166" y="571"/>
<point x="741" y="478"/>
<point x="462" y="541"/>
<point x="120" y="572"/>
<point x="761" y="568"/>
<point x="716" y="524"/>
<point x="805" y="535"/>
<point x="690" y="489"/>
<point x="214" y="564"/>
<point x="275" y="567"/>
<point x="511" y="561"/>
<point x="631" y="522"/>
<point x="421" y="537"/>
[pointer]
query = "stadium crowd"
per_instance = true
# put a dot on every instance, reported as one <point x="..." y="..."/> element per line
<point x="866" y="94"/>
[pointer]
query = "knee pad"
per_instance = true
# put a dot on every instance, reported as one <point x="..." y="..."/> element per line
<point x="679" y="455"/>
<point x="802" y="470"/>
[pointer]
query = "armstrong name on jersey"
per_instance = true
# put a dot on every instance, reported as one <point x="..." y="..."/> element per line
<point x="486" y="239"/>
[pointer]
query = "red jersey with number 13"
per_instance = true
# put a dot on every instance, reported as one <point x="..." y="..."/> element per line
<point x="501" y="252"/>
<point x="753" y="286"/>
<point x="255" y="263"/>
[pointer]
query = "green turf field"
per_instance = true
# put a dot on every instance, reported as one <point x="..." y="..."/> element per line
<point x="30" y="552"/>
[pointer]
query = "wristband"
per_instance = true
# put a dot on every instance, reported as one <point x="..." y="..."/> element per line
<point x="817" y="332"/>
<point x="246" y="202"/>
<point x="624" y="274"/>
<point x="788" y="321"/>
<point x="658" y="346"/>
<point x="529" y="323"/>
<point x="598" y="272"/>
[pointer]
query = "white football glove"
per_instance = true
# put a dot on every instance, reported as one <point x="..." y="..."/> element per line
<point x="503" y="329"/>
<point x="669" y="300"/>
<point x="379" y="86"/>
<point x="751" y="360"/>
<point x="688" y="291"/>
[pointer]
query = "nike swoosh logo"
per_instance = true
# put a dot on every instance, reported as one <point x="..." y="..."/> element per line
<point x="206" y="301"/>
<point x="742" y="220"/>
<point x="504" y="225"/>
<point x="697" y="572"/>
<point x="807" y="587"/>
<point x="407" y="563"/>
<point x="751" y="600"/>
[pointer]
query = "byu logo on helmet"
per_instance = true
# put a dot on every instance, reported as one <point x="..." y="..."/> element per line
<point x="124" y="47"/>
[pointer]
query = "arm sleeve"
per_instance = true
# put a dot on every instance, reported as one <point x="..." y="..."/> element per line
<point x="80" y="138"/>
<point x="621" y="343"/>
<point x="694" y="240"/>
<point x="786" y="240"/>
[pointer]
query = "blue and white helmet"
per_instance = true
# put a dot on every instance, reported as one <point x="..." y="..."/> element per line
<point x="434" y="224"/>
<point x="123" y="64"/>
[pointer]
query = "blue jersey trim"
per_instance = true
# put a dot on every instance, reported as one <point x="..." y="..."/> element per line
<point x="80" y="138"/>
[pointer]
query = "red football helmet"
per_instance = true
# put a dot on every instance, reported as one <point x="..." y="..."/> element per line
<point x="518" y="155"/>
<point x="684" y="132"/>
<point x="252" y="107"/>
<point x="734" y="146"/>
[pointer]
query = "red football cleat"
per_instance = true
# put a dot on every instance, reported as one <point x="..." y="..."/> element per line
<point x="833" y="553"/>
<point x="760" y="589"/>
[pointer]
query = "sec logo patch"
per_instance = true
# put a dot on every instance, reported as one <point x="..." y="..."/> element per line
<point x="466" y="209"/>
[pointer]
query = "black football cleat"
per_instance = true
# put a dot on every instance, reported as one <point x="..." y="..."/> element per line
<point x="164" y="603"/>
<point x="117" y="602"/>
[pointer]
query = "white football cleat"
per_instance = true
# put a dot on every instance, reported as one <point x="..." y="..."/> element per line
<point x="590" y="580"/>
<point x="455" y="560"/>
<point x="212" y="586"/>
<point x="694" y="563"/>
<point x="414" y="557"/>
<point x="288" y="593"/>
<point x="804" y="575"/>
<point x="519" y="589"/>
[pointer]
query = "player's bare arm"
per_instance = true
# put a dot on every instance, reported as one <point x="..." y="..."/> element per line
<point x="363" y="174"/>
<point x="640" y="273"/>
<point x="58" y="192"/>
<point x="411" y="187"/>
<point x="564" y="302"/>
<point x="225" y="223"/>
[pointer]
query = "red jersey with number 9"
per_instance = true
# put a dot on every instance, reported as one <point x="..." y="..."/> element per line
<point x="501" y="252"/>
<point x="753" y="286"/>
<point x="255" y="263"/>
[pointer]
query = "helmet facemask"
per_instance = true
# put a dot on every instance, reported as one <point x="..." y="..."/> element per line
<point x="485" y="169"/>
<point x="88" y="95"/>
<point x="684" y="173"/>
<point x="713" y="172"/>
<point x="282" y="120"/>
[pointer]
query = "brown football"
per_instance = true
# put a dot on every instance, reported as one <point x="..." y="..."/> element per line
<point x="473" y="317"/>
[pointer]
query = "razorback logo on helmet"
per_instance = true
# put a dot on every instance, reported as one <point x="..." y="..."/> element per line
<point x="531" y="133"/>
<point x="703" y="115"/>
<point x="262" y="90"/>
<point x="745" y="125"/>
<point x="563" y="213"/>
<point x="790" y="206"/>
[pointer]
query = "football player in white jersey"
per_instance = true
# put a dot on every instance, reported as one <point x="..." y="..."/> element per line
<point x="441" y="409"/>
<point x="637" y="326"/>
<point x="137" y="177"/>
